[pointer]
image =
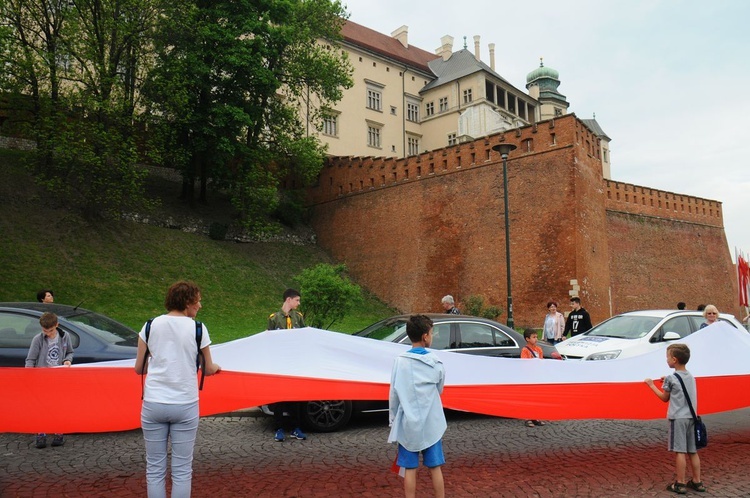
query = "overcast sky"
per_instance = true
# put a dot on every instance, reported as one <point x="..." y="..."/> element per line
<point x="668" y="80"/>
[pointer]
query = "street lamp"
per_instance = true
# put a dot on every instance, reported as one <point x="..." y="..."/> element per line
<point x="504" y="150"/>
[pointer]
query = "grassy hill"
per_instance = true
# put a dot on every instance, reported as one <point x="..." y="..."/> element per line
<point x="123" y="269"/>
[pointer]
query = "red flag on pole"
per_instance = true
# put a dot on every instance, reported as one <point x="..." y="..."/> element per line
<point x="743" y="278"/>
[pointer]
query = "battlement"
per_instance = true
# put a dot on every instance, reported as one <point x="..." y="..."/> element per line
<point x="635" y="199"/>
<point x="352" y="175"/>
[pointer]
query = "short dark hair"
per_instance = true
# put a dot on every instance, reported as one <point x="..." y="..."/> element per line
<point x="551" y="303"/>
<point x="181" y="295"/>
<point x="680" y="305"/>
<point x="575" y="300"/>
<point x="291" y="293"/>
<point x="42" y="293"/>
<point x="528" y="333"/>
<point x="701" y="307"/>
<point x="417" y="326"/>
<point x="679" y="352"/>
<point x="48" y="320"/>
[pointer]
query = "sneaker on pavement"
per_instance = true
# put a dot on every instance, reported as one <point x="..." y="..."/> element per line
<point x="297" y="433"/>
<point x="279" y="436"/>
<point x="41" y="441"/>
<point x="58" y="440"/>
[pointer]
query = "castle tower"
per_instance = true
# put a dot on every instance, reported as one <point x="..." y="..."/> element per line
<point x="542" y="85"/>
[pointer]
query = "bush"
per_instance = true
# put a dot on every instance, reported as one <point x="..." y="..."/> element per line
<point x="474" y="305"/>
<point x="327" y="295"/>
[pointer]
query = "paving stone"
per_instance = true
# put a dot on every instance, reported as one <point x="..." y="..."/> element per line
<point x="236" y="456"/>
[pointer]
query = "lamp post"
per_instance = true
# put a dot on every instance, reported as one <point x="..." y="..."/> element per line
<point x="505" y="149"/>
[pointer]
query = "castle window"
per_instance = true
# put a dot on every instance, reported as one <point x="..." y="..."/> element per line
<point x="532" y="113"/>
<point x="413" y="146"/>
<point x="501" y="97"/>
<point x="393" y="110"/>
<point x="489" y="91"/>
<point x="373" y="136"/>
<point x="512" y="103"/>
<point x="528" y="145"/>
<point x="467" y="96"/>
<point x="443" y="104"/>
<point x="412" y="112"/>
<point x="374" y="100"/>
<point x="429" y="108"/>
<point x="374" y="96"/>
<point x="331" y="125"/>
<point x="452" y="139"/>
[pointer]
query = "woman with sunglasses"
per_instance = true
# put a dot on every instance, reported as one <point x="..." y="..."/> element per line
<point x="711" y="314"/>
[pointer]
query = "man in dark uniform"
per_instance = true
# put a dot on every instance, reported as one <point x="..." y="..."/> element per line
<point x="287" y="318"/>
<point x="578" y="320"/>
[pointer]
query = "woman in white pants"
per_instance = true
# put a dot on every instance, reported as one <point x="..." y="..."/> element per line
<point x="168" y="353"/>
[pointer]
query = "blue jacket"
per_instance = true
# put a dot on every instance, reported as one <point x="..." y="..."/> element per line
<point x="415" y="410"/>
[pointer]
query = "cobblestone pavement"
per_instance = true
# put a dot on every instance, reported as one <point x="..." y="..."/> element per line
<point x="236" y="456"/>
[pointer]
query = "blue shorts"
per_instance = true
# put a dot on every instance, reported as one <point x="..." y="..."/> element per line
<point x="431" y="457"/>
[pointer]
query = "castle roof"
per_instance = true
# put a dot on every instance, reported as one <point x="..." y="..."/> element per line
<point x="459" y="64"/>
<point x="597" y="130"/>
<point x="386" y="46"/>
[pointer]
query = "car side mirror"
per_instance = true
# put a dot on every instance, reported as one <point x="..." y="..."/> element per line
<point x="671" y="336"/>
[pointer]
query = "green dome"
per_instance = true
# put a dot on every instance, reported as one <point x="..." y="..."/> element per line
<point x="542" y="72"/>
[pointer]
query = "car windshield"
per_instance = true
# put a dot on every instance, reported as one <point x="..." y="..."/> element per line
<point x="625" y="327"/>
<point x="105" y="328"/>
<point x="388" y="330"/>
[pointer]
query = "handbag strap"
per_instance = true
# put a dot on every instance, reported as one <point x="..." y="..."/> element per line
<point x="687" y="396"/>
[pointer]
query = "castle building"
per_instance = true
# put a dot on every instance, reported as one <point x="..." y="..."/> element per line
<point x="412" y="197"/>
<point x="406" y="100"/>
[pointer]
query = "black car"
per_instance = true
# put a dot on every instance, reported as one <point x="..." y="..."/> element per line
<point x="459" y="333"/>
<point x="95" y="337"/>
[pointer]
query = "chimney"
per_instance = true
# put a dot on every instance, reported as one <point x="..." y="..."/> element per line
<point x="477" y="55"/>
<point x="402" y="35"/>
<point x="492" y="56"/>
<point x="446" y="47"/>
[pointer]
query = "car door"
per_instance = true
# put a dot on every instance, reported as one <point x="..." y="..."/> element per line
<point x="483" y="339"/>
<point x="16" y="333"/>
<point x="680" y="325"/>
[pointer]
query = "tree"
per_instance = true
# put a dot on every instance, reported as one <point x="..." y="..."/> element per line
<point x="328" y="294"/>
<point x="226" y="92"/>
<point x="81" y="64"/>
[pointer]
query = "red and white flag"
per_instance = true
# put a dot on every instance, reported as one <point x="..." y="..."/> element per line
<point x="743" y="279"/>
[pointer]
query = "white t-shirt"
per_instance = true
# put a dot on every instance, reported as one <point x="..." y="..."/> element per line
<point x="171" y="377"/>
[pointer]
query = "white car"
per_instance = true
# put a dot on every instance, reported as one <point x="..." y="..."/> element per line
<point x="634" y="333"/>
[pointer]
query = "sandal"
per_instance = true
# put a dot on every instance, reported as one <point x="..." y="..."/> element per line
<point x="696" y="486"/>
<point x="677" y="487"/>
<point x="529" y="423"/>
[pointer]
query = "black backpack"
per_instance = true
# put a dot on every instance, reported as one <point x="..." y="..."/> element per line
<point x="199" y="359"/>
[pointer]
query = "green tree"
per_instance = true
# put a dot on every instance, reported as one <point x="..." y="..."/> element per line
<point x="328" y="295"/>
<point x="80" y="66"/>
<point x="230" y="82"/>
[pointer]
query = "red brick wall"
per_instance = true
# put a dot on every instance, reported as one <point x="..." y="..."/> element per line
<point x="413" y="230"/>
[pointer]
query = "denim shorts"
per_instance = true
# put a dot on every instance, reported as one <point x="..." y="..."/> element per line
<point x="431" y="457"/>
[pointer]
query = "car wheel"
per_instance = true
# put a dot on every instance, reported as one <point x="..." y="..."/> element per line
<point x="326" y="416"/>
